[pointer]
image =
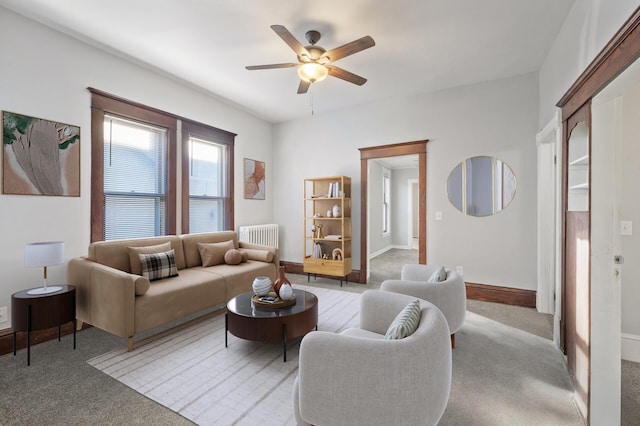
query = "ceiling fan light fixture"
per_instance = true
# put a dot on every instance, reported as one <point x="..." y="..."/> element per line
<point x="312" y="72"/>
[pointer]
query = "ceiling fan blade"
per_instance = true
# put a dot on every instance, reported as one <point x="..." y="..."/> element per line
<point x="349" y="48"/>
<point x="303" y="87"/>
<point x="346" y="75"/>
<point x="290" y="40"/>
<point x="270" y="66"/>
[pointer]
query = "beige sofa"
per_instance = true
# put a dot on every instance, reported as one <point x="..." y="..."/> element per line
<point x="110" y="297"/>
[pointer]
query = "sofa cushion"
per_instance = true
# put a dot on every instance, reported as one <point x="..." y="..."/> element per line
<point x="115" y="254"/>
<point x="197" y="290"/>
<point x="405" y="323"/>
<point x="261" y="255"/>
<point x="157" y="266"/>
<point x="233" y="257"/>
<point x="134" y="260"/>
<point x="213" y="253"/>
<point x="190" y="243"/>
<point x="438" y="276"/>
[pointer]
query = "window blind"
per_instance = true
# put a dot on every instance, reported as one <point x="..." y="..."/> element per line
<point x="135" y="187"/>
<point x="207" y="185"/>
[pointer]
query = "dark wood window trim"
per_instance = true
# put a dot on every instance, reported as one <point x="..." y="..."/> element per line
<point x="190" y="128"/>
<point x="102" y="103"/>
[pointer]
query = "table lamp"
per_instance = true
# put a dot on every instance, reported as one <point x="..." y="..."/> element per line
<point x="45" y="254"/>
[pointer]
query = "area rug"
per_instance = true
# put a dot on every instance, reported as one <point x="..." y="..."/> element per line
<point x="501" y="375"/>
<point x="188" y="369"/>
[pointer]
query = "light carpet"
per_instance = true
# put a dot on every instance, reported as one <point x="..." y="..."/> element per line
<point x="189" y="370"/>
<point x="501" y="375"/>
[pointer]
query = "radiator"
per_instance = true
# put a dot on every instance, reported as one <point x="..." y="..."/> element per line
<point x="266" y="235"/>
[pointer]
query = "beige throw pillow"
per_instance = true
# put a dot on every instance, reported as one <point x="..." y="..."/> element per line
<point x="233" y="257"/>
<point x="134" y="260"/>
<point x="213" y="253"/>
<point x="261" y="255"/>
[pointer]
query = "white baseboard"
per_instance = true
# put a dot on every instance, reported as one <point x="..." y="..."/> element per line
<point x="631" y="347"/>
<point x="379" y="252"/>
<point x="386" y="249"/>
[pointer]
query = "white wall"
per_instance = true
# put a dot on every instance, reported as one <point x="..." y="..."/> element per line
<point x="630" y="210"/>
<point x="401" y="216"/>
<point x="497" y="118"/>
<point x="378" y="242"/>
<point x="45" y="74"/>
<point x="587" y="29"/>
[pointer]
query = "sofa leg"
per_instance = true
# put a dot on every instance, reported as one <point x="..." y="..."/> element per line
<point x="453" y="341"/>
<point x="79" y="324"/>
<point x="130" y="346"/>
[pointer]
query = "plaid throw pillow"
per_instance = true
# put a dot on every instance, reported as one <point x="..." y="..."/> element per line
<point x="157" y="266"/>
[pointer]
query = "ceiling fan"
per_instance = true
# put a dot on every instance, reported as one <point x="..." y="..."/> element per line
<point x="314" y="62"/>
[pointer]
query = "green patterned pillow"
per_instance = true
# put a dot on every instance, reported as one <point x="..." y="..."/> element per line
<point x="438" y="276"/>
<point x="405" y="323"/>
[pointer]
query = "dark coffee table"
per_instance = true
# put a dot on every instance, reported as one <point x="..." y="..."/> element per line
<point x="248" y="322"/>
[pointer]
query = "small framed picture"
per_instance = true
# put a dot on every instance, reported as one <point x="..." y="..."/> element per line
<point x="254" y="179"/>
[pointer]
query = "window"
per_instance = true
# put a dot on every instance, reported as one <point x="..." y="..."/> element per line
<point x="207" y="185"/>
<point x="386" y="202"/>
<point x="133" y="172"/>
<point x="135" y="184"/>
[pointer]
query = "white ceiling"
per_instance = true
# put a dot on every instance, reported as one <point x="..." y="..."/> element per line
<point x="421" y="45"/>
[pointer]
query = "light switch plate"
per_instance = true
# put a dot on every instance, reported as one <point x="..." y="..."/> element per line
<point x="3" y="314"/>
<point x="626" y="227"/>
<point x="438" y="215"/>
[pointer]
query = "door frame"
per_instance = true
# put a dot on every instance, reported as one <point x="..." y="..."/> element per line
<point x="393" y="150"/>
<point x="621" y="51"/>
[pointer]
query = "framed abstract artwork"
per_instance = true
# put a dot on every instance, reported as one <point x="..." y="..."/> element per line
<point x="40" y="157"/>
<point x="254" y="175"/>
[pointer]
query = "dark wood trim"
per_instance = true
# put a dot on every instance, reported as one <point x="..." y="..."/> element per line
<point x="38" y="336"/>
<point x="621" y="51"/>
<point x="97" y="175"/>
<point x="102" y="103"/>
<point x="505" y="295"/>
<point x="212" y="134"/>
<point x="382" y="151"/>
<point x="298" y="268"/>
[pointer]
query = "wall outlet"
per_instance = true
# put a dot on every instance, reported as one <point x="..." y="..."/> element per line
<point x="626" y="227"/>
<point x="460" y="270"/>
<point x="3" y="314"/>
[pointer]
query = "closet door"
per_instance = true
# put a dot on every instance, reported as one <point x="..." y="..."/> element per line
<point x="576" y="311"/>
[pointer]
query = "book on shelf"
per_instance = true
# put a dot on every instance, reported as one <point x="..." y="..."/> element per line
<point x="334" y="190"/>
<point x="333" y="237"/>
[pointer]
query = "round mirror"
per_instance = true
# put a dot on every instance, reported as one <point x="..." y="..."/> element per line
<point x="481" y="186"/>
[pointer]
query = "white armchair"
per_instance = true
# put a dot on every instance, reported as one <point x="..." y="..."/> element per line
<point x="359" y="378"/>
<point x="450" y="295"/>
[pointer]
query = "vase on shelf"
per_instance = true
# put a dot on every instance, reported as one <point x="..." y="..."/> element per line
<point x="336" y="211"/>
<point x="282" y="279"/>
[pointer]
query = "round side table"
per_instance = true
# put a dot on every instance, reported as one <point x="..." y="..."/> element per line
<point x="31" y="312"/>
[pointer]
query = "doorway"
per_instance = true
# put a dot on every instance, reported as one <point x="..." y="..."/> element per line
<point x="418" y="148"/>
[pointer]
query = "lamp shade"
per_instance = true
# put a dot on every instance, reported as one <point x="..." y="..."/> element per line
<point x="312" y="72"/>
<point x="43" y="254"/>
